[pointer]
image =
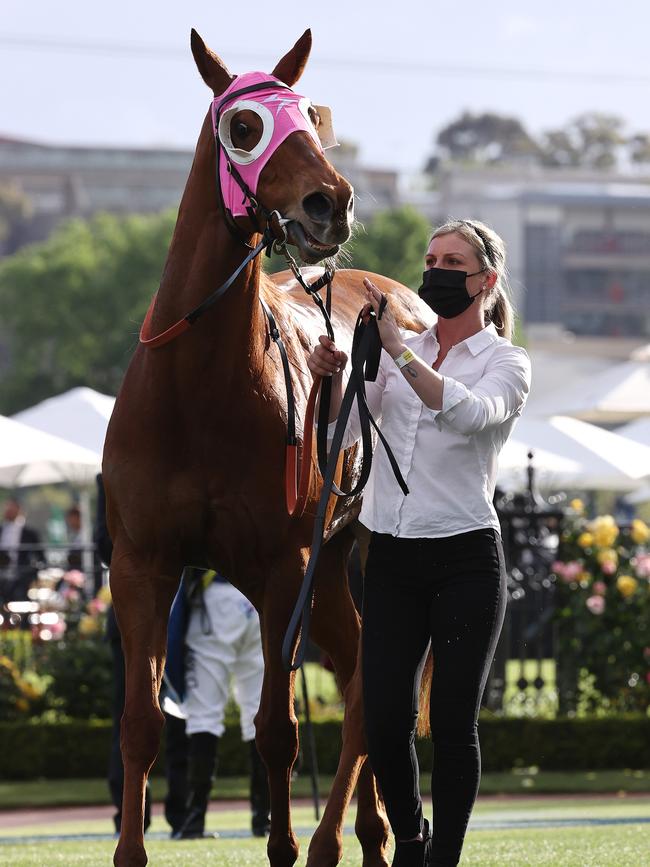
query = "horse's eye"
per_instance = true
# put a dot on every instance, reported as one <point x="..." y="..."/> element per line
<point x="242" y="129"/>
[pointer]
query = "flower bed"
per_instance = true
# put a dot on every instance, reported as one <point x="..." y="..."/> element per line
<point x="603" y="611"/>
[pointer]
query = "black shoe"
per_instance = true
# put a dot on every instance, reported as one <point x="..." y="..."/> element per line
<point x="259" y="795"/>
<point x="200" y="768"/>
<point x="426" y="833"/>
<point x="413" y="853"/>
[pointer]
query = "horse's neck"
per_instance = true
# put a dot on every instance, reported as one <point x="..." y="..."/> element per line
<point x="202" y="256"/>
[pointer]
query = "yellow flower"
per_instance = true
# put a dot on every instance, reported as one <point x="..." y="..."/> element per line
<point x="577" y="505"/>
<point x="87" y="625"/>
<point x="585" y="578"/>
<point x="626" y="585"/>
<point x="585" y="540"/>
<point x="104" y="594"/>
<point x="640" y="531"/>
<point x="607" y="555"/>
<point x="22" y="705"/>
<point x="604" y="531"/>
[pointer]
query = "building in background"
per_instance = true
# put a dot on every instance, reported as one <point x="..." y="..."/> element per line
<point x="60" y="182"/>
<point x="578" y="241"/>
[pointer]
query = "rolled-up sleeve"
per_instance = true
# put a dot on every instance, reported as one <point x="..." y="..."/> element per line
<point x="499" y="394"/>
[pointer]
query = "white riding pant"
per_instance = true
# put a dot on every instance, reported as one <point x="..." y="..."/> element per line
<point x="223" y="643"/>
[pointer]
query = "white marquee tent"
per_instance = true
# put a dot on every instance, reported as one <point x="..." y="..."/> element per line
<point x="31" y="457"/>
<point x="615" y="396"/>
<point x="569" y="453"/>
<point x="80" y="416"/>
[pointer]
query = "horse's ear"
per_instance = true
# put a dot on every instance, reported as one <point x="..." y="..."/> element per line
<point x="213" y="70"/>
<point x="291" y="67"/>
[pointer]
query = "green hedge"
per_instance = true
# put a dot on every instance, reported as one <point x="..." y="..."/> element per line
<point x="80" y="749"/>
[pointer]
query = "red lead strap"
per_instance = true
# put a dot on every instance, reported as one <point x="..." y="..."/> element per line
<point x="173" y="331"/>
<point x="296" y="491"/>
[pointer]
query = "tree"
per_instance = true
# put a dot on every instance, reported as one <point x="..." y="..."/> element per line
<point x="393" y="244"/>
<point x="639" y="148"/>
<point x="592" y="140"/>
<point x="483" y="138"/>
<point x="15" y="210"/>
<point x="72" y="305"/>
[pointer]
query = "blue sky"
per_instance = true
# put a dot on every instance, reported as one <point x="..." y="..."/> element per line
<point x="393" y="77"/>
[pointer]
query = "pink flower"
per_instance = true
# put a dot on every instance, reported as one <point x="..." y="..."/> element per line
<point x="608" y="567"/>
<point x="57" y="629"/>
<point x="642" y="565"/>
<point x="96" y="606"/>
<point x="558" y="568"/>
<point x="646" y="652"/>
<point x="70" y="594"/>
<point x="75" y="578"/>
<point x="599" y="588"/>
<point x="596" y="604"/>
<point x="573" y="570"/>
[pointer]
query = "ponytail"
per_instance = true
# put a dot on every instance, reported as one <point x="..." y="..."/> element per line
<point x="500" y="313"/>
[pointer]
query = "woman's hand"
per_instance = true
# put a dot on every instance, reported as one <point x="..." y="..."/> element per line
<point x="389" y="333"/>
<point x="326" y="359"/>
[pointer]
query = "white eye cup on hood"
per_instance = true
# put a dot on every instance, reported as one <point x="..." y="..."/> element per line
<point x="239" y="155"/>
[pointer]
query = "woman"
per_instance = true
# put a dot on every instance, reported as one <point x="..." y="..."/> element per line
<point x="448" y="399"/>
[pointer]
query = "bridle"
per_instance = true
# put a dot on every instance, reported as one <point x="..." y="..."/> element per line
<point x="274" y="233"/>
<point x="365" y="355"/>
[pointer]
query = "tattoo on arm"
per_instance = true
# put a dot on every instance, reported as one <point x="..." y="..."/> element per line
<point x="411" y="371"/>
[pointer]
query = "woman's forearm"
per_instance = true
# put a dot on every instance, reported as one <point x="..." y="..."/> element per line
<point x="426" y="382"/>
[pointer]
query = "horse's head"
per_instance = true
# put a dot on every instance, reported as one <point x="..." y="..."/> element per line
<point x="269" y="147"/>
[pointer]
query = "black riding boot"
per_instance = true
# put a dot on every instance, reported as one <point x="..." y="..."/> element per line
<point x="201" y="761"/>
<point x="260" y="800"/>
<point x="414" y="853"/>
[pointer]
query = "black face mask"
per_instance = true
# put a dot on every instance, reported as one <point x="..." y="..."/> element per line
<point x="445" y="291"/>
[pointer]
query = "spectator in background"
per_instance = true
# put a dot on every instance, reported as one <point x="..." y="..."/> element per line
<point x="74" y="538"/>
<point x="18" y="565"/>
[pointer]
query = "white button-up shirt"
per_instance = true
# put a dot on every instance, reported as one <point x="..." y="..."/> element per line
<point x="447" y="457"/>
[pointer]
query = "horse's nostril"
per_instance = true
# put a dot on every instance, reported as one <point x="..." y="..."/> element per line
<point x="318" y="207"/>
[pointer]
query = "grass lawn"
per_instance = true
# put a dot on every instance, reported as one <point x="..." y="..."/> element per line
<point x="616" y="845"/>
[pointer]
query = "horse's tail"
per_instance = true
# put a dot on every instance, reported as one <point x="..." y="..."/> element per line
<point x="424" y="718"/>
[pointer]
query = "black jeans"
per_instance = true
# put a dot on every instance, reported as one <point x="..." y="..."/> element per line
<point x="450" y="592"/>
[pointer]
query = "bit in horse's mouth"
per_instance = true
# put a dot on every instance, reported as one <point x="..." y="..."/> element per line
<point x="311" y="249"/>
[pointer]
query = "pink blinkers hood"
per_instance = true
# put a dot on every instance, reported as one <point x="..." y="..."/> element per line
<point x="282" y="112"/>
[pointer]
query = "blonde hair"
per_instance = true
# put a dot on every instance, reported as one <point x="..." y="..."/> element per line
<point x="491" y="253"/>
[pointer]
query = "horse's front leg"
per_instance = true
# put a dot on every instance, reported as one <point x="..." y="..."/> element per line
<point x="276" y="723"/>
<point x="142" y="600"/>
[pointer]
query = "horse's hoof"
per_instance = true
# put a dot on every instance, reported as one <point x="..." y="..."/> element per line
<point x="132" y="857"/>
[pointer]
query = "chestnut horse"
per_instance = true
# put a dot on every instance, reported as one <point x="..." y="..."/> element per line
<point x="194" y="463"/>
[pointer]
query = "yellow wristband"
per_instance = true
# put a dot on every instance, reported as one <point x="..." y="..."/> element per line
<point x="405" y="358"/>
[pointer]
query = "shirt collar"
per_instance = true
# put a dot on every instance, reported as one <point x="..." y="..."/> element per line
<point x="477" y="342"/>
